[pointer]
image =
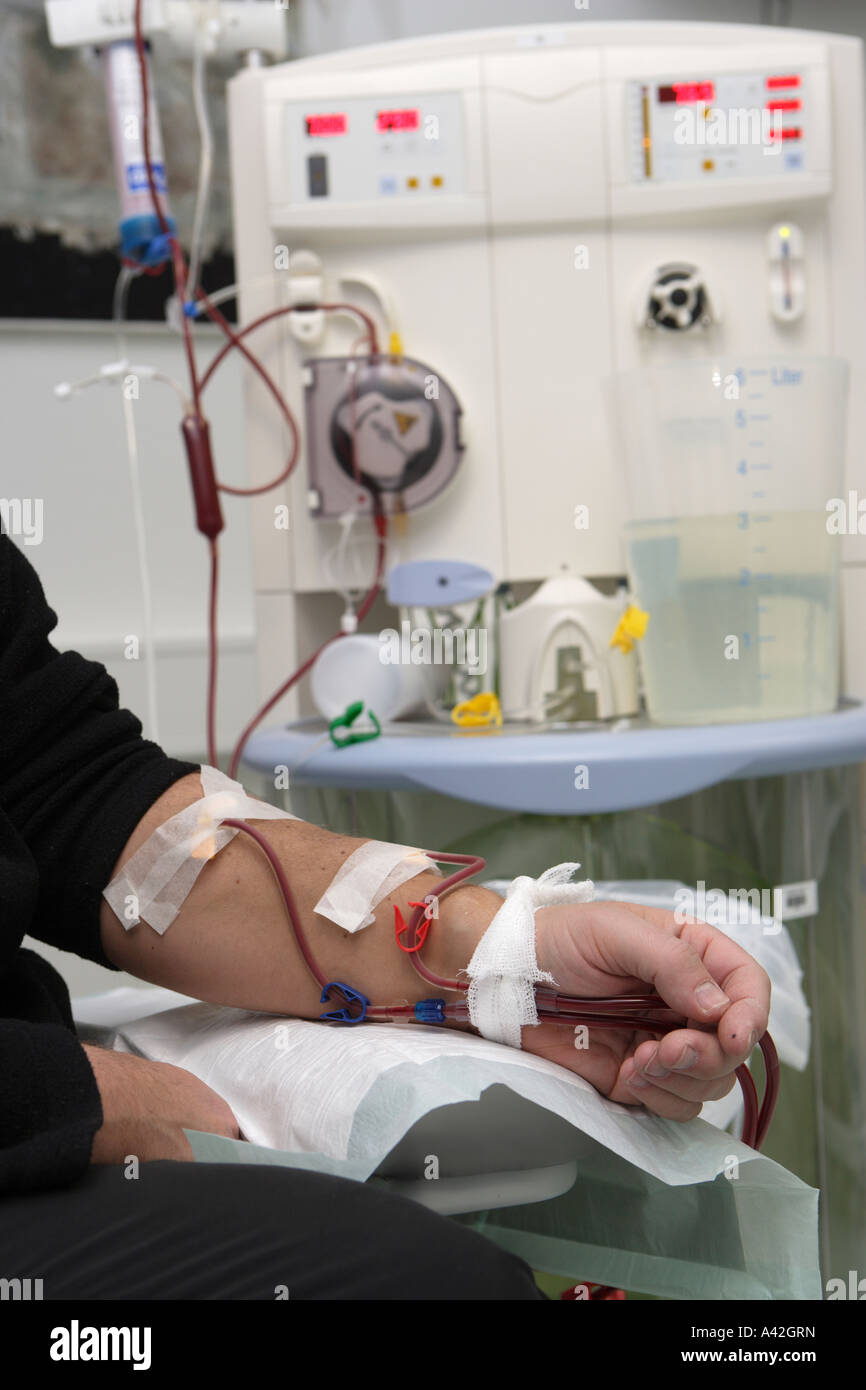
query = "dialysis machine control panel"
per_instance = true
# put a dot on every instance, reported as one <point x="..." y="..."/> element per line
<point x="721" y="126"/>
<point x="725" y="124"/>
<point x="375" y="147"/>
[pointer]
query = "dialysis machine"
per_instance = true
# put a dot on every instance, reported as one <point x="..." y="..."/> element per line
<point x="524" y="213"/>
<point x="533" y="211"/>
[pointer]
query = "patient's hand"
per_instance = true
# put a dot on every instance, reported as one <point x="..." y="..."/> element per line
<point x="595" y="949"/>
<point x="147" y="1105"/>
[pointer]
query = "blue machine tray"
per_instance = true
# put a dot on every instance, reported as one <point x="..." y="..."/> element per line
<point x="563" y="771"/>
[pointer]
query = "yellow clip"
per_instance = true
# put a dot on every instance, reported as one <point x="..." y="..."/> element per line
<point x="395" y="345"/>
<point x="481" y="710"/>
<point x="630" y="628"/>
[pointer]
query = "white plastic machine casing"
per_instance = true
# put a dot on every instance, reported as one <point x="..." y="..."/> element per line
<point x="520" y="274"/>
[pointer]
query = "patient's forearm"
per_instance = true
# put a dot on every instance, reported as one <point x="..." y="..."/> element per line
<point x="232" y="942"/>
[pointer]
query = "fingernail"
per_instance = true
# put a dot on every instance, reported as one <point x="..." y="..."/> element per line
<point x="686" y="1059"/>
<point x="710" y="997"/>
<point x="654" y="1067"/>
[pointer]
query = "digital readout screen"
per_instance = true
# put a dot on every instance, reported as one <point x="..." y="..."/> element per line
<point x="398" y="120"/>
<point x="329" y="123"/>
<point x="687" y="91"/>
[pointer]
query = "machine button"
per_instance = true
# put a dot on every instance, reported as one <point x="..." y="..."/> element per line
<point x="317" y="175"/>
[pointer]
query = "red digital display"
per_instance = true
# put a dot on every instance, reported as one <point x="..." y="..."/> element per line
<point x="687" y="92"/>
<point x="398" y="120"/>
<point x="777" y="82"/>
<point x="330" y="123"/>
<point x="784" y="104"/>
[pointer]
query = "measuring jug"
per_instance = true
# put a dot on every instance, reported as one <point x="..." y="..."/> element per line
<point x="731" y="464"/>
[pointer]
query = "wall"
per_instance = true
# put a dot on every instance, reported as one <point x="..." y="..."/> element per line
<point x="72" y="455"/>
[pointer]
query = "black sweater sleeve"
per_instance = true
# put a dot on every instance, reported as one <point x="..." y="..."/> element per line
<point x="50" y="1107"/>
<point x="76" y="777"/>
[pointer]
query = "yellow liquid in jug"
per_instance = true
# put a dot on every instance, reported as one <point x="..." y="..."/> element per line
<point x="744" y="616"/>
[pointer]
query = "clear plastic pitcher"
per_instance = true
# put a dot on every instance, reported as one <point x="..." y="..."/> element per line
<point x="731" y="464"/>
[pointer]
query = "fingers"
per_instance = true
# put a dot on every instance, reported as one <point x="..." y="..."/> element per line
<point x="720" y="991"/>
<point x="652" y="1097"/>
<point x="689" y="1052"/>
<point x="678" y="1099"/>
<point x="743" y="980"/>
<point x="676" y="1093"/>
<point x="677" y="1096"/>
<point x="698" y="971"/>
<point x="635" y="947"/>
<point x="648" y="1071"/>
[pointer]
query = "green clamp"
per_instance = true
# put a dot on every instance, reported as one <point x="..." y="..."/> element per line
<point x="346" y="720"/>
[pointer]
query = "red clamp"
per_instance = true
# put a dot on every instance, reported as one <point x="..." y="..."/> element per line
<point x="421" y="931"/>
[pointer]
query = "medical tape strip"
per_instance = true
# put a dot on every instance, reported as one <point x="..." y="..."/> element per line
<point x="155" y="882"/>
<point x="368" y="876"/>
<point x="504" y="970"/>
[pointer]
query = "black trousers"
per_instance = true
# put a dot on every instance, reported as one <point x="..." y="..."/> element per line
<point x="232" y="1231"/>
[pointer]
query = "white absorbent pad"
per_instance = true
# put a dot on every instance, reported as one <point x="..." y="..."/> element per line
<point x="339" y="1099"/>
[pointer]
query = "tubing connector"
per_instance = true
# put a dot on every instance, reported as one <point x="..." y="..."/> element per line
<point x="208" y="513"/>
<point x="430" y="1011"/>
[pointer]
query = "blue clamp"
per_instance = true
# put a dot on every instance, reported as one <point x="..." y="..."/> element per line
<point x="142" y="239"/>
<point x="430" y="1011"/>
<point x="350" y="996"/>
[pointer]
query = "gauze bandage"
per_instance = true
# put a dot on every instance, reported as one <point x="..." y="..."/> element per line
<point x="504" y="969"/>
<point x="155" y="882"/>
<point x="368" y="876"/>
